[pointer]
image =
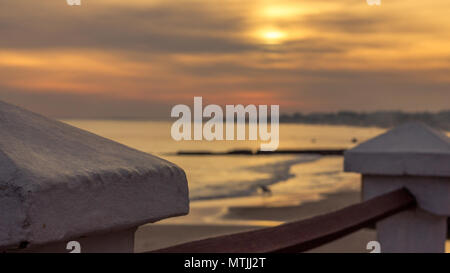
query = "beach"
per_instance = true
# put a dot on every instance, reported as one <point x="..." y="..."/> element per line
<point x="290" y="200"/>
<point x="220" y="217"/>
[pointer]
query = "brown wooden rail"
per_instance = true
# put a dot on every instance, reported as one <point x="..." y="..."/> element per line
<point x="305" y="234"/>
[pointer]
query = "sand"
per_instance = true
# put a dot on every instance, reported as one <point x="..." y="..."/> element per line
<point x="227" y="216"/>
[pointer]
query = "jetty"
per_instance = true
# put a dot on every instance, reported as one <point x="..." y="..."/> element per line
<point x="338" y="152"/>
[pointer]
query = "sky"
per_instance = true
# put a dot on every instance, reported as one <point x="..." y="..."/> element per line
<point x="125" y="59"/>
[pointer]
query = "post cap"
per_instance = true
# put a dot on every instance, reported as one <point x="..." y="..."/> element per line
<point x="59" y="182"/>
<point x="410" y="149"/>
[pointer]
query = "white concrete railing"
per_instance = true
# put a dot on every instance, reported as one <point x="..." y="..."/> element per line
<point x="415" y="157"/>
<point x="59" y="183"/>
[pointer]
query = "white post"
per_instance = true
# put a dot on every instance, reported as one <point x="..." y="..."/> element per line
<point x="415" y="157"/>
<point x="60" y="184"/>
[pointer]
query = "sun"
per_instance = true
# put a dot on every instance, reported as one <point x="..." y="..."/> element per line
<point x="273" y="36"/>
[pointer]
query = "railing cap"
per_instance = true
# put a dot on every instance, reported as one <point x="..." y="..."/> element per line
<point x="59" y="182"/>
<point x="410" y="149"/>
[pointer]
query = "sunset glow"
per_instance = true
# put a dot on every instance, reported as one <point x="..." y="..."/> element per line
<point x="140" y="57"/>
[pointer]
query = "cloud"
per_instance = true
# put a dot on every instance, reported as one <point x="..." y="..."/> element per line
<point x="362" y="22"/>
<point x="60" y="105"/>
<point x="163" y="28"/>
<point x="137" y="58"/>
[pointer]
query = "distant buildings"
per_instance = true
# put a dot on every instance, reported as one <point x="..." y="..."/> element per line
<point x="383" y="119"/>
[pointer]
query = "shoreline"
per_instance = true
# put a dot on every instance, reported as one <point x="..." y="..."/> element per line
<point x="275" y="173"/>
<point x="313" y="187"/>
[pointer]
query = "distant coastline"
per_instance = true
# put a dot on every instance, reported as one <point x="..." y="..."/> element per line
<point x="383" y="119"/>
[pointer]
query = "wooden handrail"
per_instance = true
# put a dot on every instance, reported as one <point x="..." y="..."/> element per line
<point x="305" y="234"/>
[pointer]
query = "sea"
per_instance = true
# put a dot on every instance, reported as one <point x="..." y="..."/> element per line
<point x="227" y="176"/>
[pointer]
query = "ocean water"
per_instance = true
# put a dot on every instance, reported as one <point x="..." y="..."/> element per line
<point x="212" y="177"/>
